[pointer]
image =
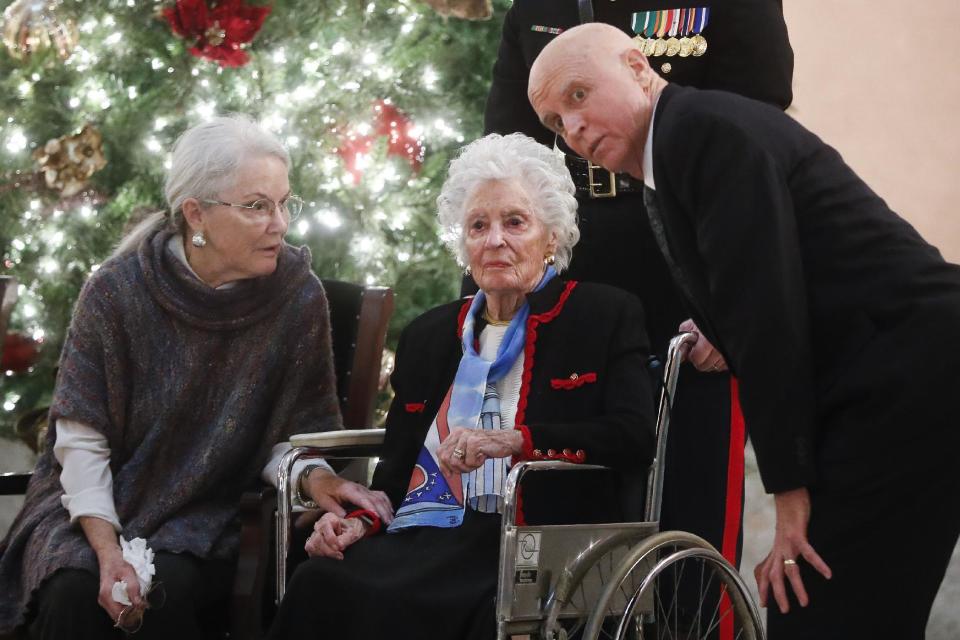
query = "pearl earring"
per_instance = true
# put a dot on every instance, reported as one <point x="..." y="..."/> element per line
<point x="467" y="270"/>
<point x="198" y="240"/>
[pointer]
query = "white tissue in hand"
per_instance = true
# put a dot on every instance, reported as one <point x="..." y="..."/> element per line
<point x="119" y="592"/>
<point x="139" y="556"/>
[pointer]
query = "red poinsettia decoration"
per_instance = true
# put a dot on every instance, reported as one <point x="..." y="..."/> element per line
<point x="221" y="30"/>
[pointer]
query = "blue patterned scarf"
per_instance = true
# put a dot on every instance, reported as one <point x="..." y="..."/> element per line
<point x="434" y="500"/>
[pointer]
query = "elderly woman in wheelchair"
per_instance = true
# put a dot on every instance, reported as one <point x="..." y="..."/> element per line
<point x="531" y="368"/>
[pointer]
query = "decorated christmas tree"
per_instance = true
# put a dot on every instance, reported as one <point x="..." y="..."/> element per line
<point x="371" y="98"/>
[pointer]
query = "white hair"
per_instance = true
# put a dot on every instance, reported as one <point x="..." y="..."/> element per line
<point x="205" y="160"/>
<point x="540" y="171"/>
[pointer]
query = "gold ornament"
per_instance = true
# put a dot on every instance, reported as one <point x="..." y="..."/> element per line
<point x="30" y="26"/>
<point x="68" y="162"/>
<point x="467" y="9"/>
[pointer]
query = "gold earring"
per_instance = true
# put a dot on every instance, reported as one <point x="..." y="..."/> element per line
<point x="549" y="259"/>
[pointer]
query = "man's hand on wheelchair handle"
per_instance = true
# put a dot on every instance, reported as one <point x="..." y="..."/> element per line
<point x="790" y="545"/>
<point x="703" y="355"/>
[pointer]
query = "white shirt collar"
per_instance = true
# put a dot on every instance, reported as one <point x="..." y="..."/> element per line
<point x="648" y="149"/>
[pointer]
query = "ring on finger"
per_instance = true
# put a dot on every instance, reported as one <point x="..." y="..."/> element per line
<point x="459" y="453"/>
<point x="789" y="561"/>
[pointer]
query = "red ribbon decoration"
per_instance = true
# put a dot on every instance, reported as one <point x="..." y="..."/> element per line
<point x="388" y="121"/>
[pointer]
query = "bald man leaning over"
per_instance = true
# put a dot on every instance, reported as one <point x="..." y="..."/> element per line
<point x="839" y="320"/>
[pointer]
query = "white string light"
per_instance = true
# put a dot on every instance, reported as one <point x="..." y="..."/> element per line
<point x="16" y="141"/>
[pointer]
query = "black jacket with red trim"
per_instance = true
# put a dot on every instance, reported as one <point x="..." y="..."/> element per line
<point x="585" y="388"/>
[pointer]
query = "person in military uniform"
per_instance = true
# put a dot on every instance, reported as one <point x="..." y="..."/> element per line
<point x="739" y="46"/>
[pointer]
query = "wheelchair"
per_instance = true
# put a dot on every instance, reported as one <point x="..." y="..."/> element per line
<point x="559" y="582"/>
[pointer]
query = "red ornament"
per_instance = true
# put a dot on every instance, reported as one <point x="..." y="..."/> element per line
<point x="220" y="31"/>
<point x="19" y="353"/>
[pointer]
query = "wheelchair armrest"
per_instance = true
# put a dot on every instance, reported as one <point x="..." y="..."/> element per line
<point x="520" y="469"/>
<point x="351" y="443"/>
<point x="14" y="484"/>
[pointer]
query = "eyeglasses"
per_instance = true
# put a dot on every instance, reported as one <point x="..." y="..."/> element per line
<point x="263" y="209"/>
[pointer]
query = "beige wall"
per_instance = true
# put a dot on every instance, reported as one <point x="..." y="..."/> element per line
<point x="879" y="80"/>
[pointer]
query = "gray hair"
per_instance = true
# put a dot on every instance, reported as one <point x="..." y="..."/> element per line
<point x="539" y="169"/>
<point x="205" y="160"/>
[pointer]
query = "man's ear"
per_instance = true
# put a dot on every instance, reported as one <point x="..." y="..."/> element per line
<point x="192" y="214"/>
<point x="636" y="62"/>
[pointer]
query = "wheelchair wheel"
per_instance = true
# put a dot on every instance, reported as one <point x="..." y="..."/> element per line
<point x="581" y="582"/>
<point x="677" y="586"/>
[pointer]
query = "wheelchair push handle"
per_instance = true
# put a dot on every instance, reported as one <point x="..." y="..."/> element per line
<point x="677" y="353"/>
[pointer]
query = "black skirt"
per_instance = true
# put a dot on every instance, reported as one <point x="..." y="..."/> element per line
<point x="422" y="583"/>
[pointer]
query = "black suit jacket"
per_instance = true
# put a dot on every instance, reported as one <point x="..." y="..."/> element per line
<point x="573" y="329"/>
<point x="748" y="52"/>
<point x="820" y="297"/>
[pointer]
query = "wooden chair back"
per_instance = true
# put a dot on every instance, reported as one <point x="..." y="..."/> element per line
<point x="358" y="322"/>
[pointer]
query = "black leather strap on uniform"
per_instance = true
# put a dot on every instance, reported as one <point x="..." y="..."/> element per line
<point x="585" y="7"/>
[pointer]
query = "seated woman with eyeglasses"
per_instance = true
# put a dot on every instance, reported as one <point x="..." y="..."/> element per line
<point x="201" y="344"/>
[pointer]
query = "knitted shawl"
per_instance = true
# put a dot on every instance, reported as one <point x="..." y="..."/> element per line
<point x="191" y="387"/>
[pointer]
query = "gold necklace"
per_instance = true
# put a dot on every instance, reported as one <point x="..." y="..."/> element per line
<point x="496" y="323"/>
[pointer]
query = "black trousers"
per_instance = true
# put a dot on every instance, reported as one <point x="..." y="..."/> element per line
<point x="885" y="511"/>
<point x="888" y="549"/>
<point x="68" y="609"/>
<point x="426" y="582"/>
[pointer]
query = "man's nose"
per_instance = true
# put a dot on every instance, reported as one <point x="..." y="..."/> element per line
<point x="574" y="126"/>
